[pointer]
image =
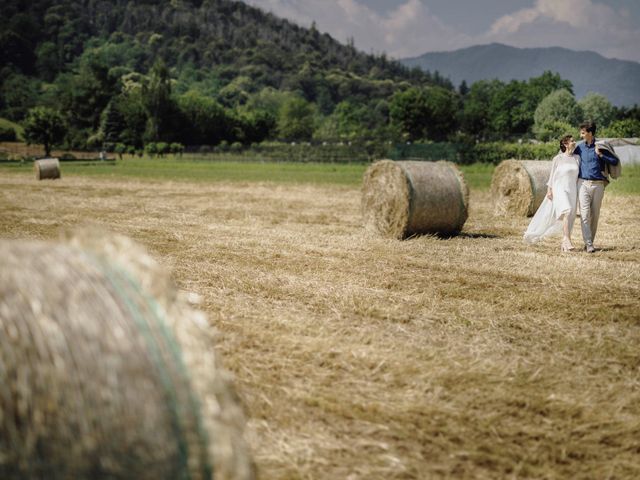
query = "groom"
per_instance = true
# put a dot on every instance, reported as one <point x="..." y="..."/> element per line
<point x="591" y="181"/>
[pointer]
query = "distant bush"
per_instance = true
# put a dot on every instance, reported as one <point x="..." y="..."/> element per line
<point x="176" y="148"/>
<point x="464" y="152"/>
<point x="628" y="128"/>
<point x="495" y="152"/>
<point x="120" y="148"/>
<point x="162" y="148"/>
<point x="151" y="149"/>
<point x="7" y="134"/>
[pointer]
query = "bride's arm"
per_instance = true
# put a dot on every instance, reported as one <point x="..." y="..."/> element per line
<point x="552" y="174"/>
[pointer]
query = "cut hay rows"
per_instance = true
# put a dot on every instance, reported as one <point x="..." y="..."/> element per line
<point x="47" y="169"/>
<point x="518" y="187"/>
<point x="106" y="372"/>
<point x="360" y="357"/>
<point x="401" y="199"/>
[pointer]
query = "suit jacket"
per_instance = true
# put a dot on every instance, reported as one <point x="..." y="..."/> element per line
<point x="610" y="170"/>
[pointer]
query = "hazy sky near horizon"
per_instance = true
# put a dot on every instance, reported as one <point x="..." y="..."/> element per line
<point x="407" y="28"/>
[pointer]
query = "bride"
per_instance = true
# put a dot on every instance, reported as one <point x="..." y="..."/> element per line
<point x="558" y="210"/>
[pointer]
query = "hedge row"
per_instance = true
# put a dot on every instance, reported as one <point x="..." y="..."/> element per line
<point x="370" y="151"/>
<point x="365" y="152"/>
<point x="493" y="152"/>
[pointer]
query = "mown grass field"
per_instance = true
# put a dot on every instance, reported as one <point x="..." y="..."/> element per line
<point x="359" y="357"/>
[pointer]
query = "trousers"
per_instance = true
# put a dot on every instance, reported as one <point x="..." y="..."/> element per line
<point x="590" y="195"/>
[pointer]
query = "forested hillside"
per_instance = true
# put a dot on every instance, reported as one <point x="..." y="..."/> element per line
<point x="86" y="58"/>
<point x="219" y="71"/>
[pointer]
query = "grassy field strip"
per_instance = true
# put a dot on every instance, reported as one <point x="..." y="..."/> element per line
<point x="469" y="357"/>
<point x="478" y="176"/>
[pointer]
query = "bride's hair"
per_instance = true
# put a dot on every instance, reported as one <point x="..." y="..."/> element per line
<point x="563" y="142"/>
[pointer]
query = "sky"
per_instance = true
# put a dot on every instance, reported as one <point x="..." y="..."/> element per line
<point x="408" y="28"/>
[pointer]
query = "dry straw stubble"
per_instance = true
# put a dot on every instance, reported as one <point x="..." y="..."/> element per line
<point x="401" y="199"/>
<point x="107" y="370"/>
<point x="518" y="187"/>
<point x="467" y="357"/>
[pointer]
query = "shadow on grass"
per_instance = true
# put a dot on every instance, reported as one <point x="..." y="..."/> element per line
<point x="449" y="236"/>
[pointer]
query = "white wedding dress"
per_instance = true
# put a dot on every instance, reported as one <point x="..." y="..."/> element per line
<point x="563" y="180"/>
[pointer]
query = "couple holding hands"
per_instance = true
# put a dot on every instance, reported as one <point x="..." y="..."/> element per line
<point x="578" y="176"/>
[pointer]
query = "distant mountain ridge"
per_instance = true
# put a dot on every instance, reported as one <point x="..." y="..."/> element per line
<point x="618" y="80"/>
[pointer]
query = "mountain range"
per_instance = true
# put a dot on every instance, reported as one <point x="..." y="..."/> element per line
<point x="618" y="80"/>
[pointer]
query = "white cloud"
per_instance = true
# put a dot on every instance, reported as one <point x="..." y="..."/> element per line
<point x="412" y="29"/>
<point x="574" y="24"/>
<point x="408" y="30"/>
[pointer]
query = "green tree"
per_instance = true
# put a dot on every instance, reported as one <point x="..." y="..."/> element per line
<point x="132" y="107"/>
<point x="443" y="107"/>
<point x="409" y="112"/>
<point x="555" y="129"/>
<point x="558" y="106"/>
<point x="205" y="120"/>
<point x="157" y="95"/>
<point x="7" y="133"/>
<point x="256" y="125"/>
<point x="548" y="82"/>
<point x="296" y="119"/>
<point x="236" y="92"/>
<point x="120" y="149"/>
<point x="18" y="93"/>
<point x="627" y="128"/>
<point x="113" y="123"/>
<point x="476" y="110"/>
<point x="349" y="121"/>
<point x="463" y="89"/>
<point x="597" y="108"/>
<point x="45" y="126"/>
<point x="509" y="112"/>
<point x="424" y="113"/>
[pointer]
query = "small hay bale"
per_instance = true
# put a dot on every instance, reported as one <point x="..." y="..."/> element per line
<point x="518" y="187"/>
<point x="47" y="168"/>
<point x="106" y="371"/>
<point x="404" y="198"/>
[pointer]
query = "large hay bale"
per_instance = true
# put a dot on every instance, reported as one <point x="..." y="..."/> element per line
<point x="106" y="371"/>
<point x="400" y="199"/>
<point x="518" y="187"/>
<point x="47" y="168"/>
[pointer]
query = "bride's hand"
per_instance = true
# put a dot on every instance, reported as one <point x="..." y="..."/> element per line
<point x="550" y="194"/>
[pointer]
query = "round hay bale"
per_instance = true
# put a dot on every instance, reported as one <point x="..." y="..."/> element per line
<point x="518" y="187"/>
<point x="47" y="168"/>
<point x="404" y="198"/>
<point x="106" y="371"/>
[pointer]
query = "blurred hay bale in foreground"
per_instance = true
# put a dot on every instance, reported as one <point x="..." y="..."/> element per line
<point x="47" y="168"/>
<point x="518" y="187"/>
<point x="404" y="198"/>
<point x="106" y="371"/>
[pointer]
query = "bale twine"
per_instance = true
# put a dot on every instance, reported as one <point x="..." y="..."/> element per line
<point x="106" y="371"/>
<point x="518" y="187"/>
<point x="47" y="168"/>
<point x="400" y="199"/>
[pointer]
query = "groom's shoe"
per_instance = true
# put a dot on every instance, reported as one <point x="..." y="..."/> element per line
<point x="590" y="248"/>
